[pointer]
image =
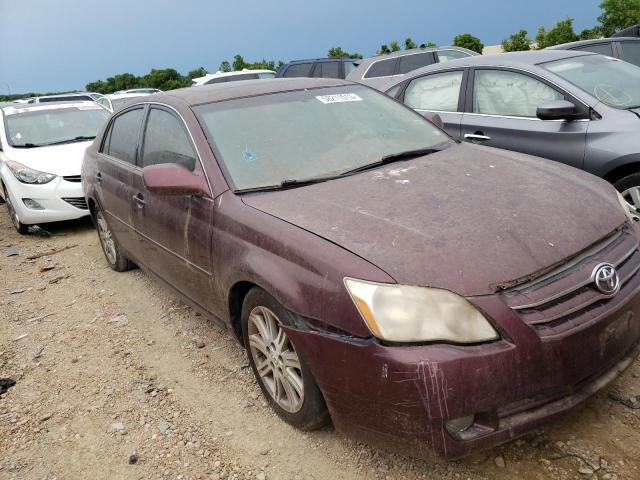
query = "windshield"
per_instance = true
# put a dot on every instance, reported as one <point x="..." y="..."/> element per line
<point x="266" y="140"/>
<point x="611" y="81"/>
<point x="38" y="128"/>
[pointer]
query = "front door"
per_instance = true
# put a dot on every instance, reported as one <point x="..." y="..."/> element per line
<point x="502" y="113"/>
<point x="175" y="230"/>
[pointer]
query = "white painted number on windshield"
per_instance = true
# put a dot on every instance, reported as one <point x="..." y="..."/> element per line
<point x="339" y="98"/>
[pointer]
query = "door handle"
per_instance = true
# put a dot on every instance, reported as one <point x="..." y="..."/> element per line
<point x="98" y="177"/>
<point x="476" y="137"/>
<point x="139" y="199"/>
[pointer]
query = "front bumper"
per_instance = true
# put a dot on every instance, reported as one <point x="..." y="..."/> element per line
<point x="401" y="397"/>
<point x="61" y="200"/>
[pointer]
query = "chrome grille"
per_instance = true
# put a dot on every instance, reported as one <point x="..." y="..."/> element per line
<point x="78" y="202"/>
<point x="73" y="178"/>
<point x="566" y="297"/>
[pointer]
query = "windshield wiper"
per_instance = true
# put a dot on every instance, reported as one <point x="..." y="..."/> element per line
<point x="80" y="138"/>
<point x="26" y="145"/>
<point x="293" y="183"/>
<point x="394" y="157"/>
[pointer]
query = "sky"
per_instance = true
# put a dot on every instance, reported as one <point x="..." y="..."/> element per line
<point x="58" y="45"/>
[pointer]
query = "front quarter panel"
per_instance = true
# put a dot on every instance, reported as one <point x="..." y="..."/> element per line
<point x="301" y="270"/>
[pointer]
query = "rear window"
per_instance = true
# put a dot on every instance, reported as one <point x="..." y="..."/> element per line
<point x="381" y="68"/>
<point x="409" y="63"/>
<point x="298" y="70"/>
<point x="601" y="48"/>
<point x="122" y="141"/>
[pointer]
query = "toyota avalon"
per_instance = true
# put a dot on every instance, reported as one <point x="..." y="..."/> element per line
<point x="420" y="293"/>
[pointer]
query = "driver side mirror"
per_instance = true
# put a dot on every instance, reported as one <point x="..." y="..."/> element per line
<point x="556" y="110"/>
<point x="173" y="179"/>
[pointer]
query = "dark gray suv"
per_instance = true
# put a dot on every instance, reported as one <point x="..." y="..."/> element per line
<point x="624" y="48"/>
<point x="578" y="108"/>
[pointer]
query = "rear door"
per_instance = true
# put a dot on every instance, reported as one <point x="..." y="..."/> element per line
<point x="175" y="229"/>
<point x="500" y="111"/>
<point x="115" y="165"/>
<point x="440" y="93"/>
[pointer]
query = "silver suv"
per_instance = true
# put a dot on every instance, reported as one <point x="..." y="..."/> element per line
<point x="579" y="108"/>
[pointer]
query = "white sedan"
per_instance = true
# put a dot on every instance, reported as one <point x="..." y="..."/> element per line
<point x="41" y="152"/>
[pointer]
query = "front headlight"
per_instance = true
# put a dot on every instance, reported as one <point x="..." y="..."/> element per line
<point x="29" y="175"/>
<point x="400" y="313"/>
<point x="629" y="209"/>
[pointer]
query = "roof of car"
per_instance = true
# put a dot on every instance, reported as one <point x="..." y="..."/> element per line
<point x="14" y="107"/>
<point x="247" y="88"/>
<point x="522" y="59"/>
<point x="326" y="59"/>
<point x="402" y="53"/>
<point x="595" y="41"/>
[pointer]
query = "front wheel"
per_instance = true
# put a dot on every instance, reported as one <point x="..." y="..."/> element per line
<point x="15" y="219"/>
<point x="284" y="378"/>
<point x="116" y="260"/>
<point x="629" y="188"/>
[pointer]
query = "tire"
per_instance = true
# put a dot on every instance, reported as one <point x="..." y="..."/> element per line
<point x="116" y="260"/>
<point x="19" y="226"/>
<point x="291" y="390"/>
<point x="625" y="186"/>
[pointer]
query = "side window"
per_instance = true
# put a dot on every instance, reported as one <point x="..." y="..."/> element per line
<point x="631" y="52"/>
<point x="215" y="80"/>
<point x="330" y="70"/>
<point x="439" y="91"/>
<point x="166" y="141"/>
<point x="381" y="68"/>
<point x="122" y="139"/>
<point x="298" y="70"/>
<point x="393" y="92"/>
<point x="499" y="92"/>
<point x="448" y="55"/>
<point x="266" y="75"/>
<point x="601" y="48"/>
<point x="409" y="63"/>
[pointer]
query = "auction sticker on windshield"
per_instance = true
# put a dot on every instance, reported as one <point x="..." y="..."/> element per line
<point x="339" y="98"/>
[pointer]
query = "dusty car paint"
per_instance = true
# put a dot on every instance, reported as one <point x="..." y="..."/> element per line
<point x="425" y="222"/>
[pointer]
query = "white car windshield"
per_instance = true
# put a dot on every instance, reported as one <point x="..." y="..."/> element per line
<point x="612" y="81"/>
<point x="269" y="140"/>
<point x="53" y="125"/>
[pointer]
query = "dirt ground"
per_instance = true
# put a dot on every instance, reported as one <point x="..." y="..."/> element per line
<point x="116" y="378"/>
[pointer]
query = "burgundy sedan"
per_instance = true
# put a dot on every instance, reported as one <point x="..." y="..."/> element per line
<point x="420" y="293"/>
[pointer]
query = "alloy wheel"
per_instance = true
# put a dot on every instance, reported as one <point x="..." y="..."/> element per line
<point x="275" y="359"/>
<point x="632" y="196"/>
<point x="106" y="238"/>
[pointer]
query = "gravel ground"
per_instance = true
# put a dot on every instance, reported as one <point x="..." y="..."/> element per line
<point x="116" y="378"/>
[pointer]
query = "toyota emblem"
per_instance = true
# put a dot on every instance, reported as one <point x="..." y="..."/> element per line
<point x="606" y="279"/>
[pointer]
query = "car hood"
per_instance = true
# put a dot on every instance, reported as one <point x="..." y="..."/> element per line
<point x="466" y="219"/>
<point x="60" y="160"/>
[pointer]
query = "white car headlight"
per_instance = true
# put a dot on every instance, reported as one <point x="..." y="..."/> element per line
<point x="400" y="313"/>
<point x="29" y="175"/>
<point x="629" y="209"/>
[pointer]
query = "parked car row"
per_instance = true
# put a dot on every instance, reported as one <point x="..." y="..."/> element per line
<point x="416" y="286"/>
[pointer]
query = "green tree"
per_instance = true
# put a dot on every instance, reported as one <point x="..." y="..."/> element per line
<point x="196" y="73"/>
<point x="238" y="62"/>
<point x="468" y="41"/>
<point x="409" y="44"/>
<point x="618" y="14"/>
<point x="384" y="48"/>
<point x="394" y="46"/>
<point x="591" y="33"/>
<point x="518" y="42"/>
<point x="225" y="66"/>
<point x="428" y="45"/>
<point x="562" y="32"/>
<point x="337" y="52"/>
